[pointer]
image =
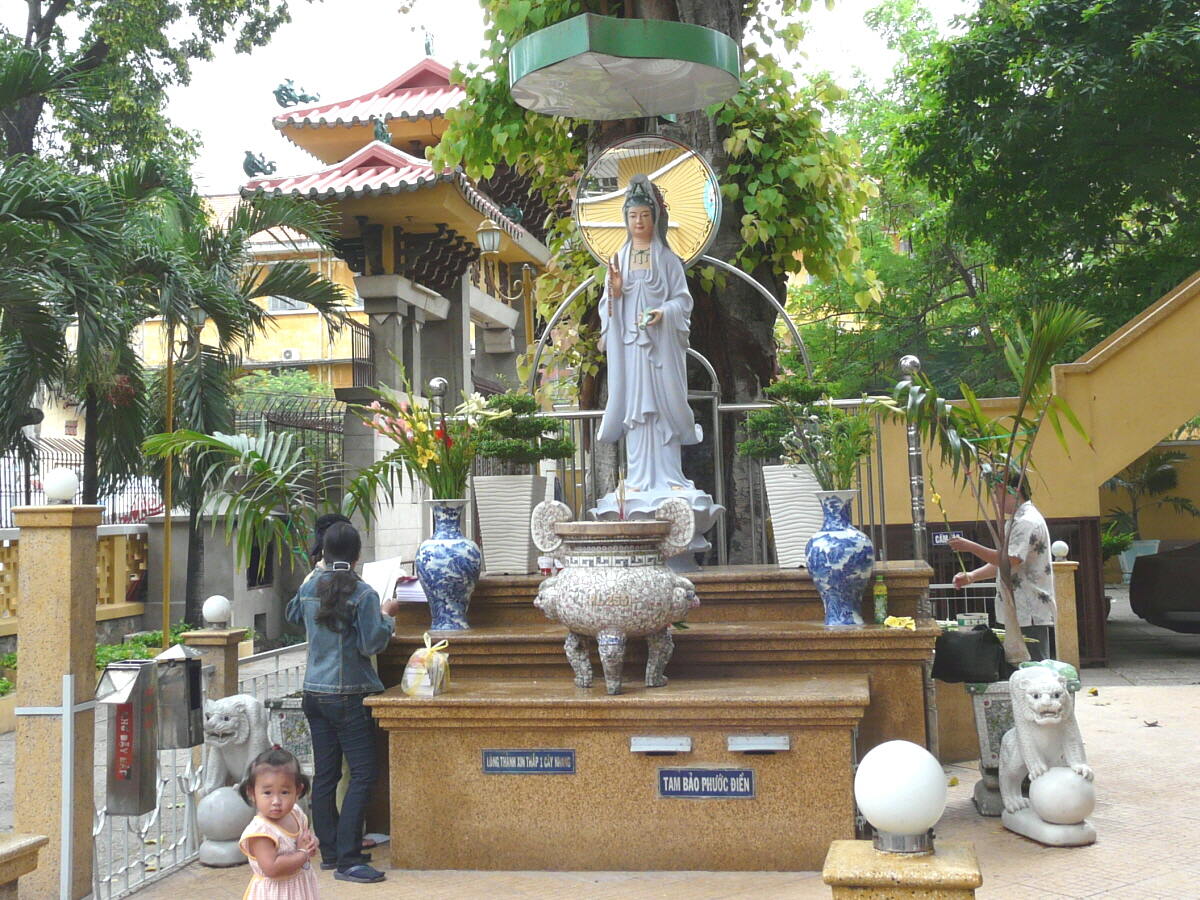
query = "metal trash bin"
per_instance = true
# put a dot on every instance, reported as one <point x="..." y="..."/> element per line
<point x="180" y="698"/>
<point x="129" y="691"/>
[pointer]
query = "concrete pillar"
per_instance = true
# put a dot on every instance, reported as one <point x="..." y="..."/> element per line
<point x="57" y="637"/>
<point x="388" y="332"/>
<point x="1066" y="629"/>
<point x="446" y="346"/>
<point x="410" y="345"/>
<point x="219" y="648"/>
<point x="154" y="568"/>
<point x="855" y="869"/>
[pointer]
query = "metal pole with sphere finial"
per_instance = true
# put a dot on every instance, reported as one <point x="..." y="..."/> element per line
<point x="437" y="393"/>
<point x="911" y="365"/>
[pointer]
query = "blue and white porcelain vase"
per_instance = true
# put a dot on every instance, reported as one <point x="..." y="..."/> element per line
<point x="840" y="559"/>
<point x="448" y="566"/>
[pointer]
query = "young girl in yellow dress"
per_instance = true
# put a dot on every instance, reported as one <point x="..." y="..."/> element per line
<point x="278" y="841"/>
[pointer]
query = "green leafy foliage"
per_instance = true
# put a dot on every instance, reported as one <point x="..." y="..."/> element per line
<point x="792" y="183"/>
<point x="272" y="489"/>
<point x="129" y="54"/>
<point x="253" y="389"/>
<point x="6" y="687"/>
<point x="1061" y="134"/>
<point x="790" y="394"/>
<point x="1114" y="541"/>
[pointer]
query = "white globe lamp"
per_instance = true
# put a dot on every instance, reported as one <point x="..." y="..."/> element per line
<point x="217" y="611"/>
<point x="60" y="486"/>
<point x="901" y="790"/>
<point x="1059" y="549"/>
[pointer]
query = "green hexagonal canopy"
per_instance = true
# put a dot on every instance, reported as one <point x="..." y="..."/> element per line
<point x="597" y="67"/>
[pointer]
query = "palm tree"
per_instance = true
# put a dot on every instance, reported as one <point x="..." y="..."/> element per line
<point x="979" y="448"/>
<point x="220" y="283"/>
<point x="270" y="489"/>
<point x="1146" y="483"/>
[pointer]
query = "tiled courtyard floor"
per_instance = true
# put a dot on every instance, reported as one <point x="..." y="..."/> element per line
<point x="1147" y="814"/>
<point x="1142" y="731"/>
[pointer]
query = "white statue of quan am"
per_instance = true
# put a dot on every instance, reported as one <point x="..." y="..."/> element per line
<point x="645" y="316"/>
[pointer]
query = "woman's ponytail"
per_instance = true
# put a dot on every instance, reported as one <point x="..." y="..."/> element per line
<point x="337" y="584"/>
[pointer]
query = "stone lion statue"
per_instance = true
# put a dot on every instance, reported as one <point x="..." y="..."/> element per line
<point x="235" y="731"/>
<point x="1044" y="735"/>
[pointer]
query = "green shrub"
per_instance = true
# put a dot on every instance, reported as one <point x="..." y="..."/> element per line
<point x="8" y="660"/>
<point x="6" y="687"/>
<point x="522" y="440"/>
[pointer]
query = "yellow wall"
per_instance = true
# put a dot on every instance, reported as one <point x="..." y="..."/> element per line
<point x="298" y="330"/>
<point x="1137" y="385"/>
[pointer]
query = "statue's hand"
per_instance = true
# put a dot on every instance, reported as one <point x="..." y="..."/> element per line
<point x="653" y="317"/>
<point x="616" y="284"/>
<point x="1083" y="770"/>
<point x="1037" y="769"/>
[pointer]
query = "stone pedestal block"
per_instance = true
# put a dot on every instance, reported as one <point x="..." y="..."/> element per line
<point x="855" y="870"/>
<point x="57" y="638"/>
<point x="702" y="774"/>
<point x="18" y="856"/>
<point x="219" y="648"/>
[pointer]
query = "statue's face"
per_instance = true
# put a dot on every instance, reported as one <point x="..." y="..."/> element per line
<point x="640" y="220"/>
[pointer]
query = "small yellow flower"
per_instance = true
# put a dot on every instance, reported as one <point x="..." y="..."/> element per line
<point x="937" y="498"/>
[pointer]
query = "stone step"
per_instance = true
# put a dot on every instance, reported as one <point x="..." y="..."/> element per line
<point x="607" y="807"/>
<point x="727" y="594"/>
<point x="892" y="660"/>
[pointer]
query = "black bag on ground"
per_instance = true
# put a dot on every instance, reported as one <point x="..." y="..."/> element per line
<point x="974" y="656"/>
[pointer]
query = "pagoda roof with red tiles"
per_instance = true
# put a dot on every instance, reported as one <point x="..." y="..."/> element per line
<point x="423" y="92"/>
<point x="374" y="170"/>
<point x="379" y="169"/>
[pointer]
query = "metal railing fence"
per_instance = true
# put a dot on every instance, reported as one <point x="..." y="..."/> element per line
<point x="132" y="852"/>
<point x="584" y="478"/>
<point x="21" y="483"/>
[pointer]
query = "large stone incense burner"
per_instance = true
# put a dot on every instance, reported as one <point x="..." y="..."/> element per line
<point x="614" y="585"/>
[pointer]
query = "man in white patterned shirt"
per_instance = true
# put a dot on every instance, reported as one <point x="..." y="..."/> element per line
<point x="1029" y="557"/>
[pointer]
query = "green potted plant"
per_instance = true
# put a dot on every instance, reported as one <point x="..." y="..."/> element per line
<point x="789" y="484"/>
<point x="515" y="441"/>
<point x="1146" y="484"/>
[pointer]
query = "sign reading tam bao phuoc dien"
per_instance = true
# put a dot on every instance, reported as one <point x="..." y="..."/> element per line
<point x="706" y="783"/>
<point x="528" y="762"/>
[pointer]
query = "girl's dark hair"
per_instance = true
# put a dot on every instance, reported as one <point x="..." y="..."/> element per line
<point x="322" y="525"/>
<point x="275" y="758"/>
<point x="336" y="585"/>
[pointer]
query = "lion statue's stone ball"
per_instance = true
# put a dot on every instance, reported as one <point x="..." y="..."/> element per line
<point x="1063" y="797"/>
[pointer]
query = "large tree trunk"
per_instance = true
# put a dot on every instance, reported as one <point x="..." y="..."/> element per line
<point x="193" y="599"/>
<point x="91" y="440"/>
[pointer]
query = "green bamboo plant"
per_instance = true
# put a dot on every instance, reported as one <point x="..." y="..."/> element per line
<point x="980" y="449"/>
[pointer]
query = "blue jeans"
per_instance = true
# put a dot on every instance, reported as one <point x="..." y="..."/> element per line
<point x="340" y="726"/>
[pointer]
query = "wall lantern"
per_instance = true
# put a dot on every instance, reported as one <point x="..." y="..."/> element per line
<point x="488" y="235"/>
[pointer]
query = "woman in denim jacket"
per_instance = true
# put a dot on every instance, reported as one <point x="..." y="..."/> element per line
<point x="346" y="626"/>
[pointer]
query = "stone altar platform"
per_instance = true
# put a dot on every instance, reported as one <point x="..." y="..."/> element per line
<point x="758" y="621"/>
<point x="755" y="662"/>
<point x="572" y="792"/>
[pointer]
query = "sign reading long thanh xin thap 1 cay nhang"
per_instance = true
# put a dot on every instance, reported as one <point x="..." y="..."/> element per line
<point x="529" y="762"/>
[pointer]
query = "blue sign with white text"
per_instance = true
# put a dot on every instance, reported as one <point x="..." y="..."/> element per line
<point x="942" y="538"/>
<point x="699" y="783"/>
<point x="528" y="762"/>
